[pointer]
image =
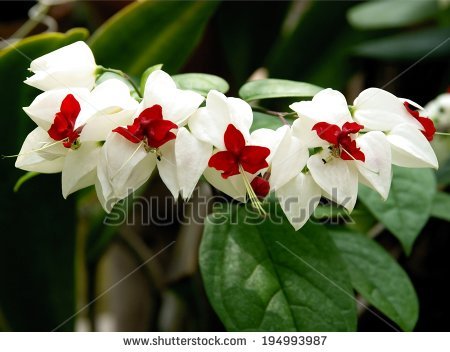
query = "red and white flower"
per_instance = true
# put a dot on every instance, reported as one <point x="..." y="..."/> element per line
<point x="62" y="116"/>
<point x="337" y="156"/>
<point x="154" y="138"/>
<point x="239" y="157"/>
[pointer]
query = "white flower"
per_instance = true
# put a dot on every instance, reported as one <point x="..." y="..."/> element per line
<point x="340" y="157"/>
<point x="155" y="138"/>
<point x="439" y="111"/>
<point x="408" y="129"/>
<point x="70" y="66"/>
<point x="57" y="144"/>
<point x="239" y="156"/>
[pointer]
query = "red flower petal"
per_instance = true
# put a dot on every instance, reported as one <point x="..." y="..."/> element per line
<point x="351" y="127"/>
<point x="253" y="158"/>
<point x="70" y="107"/>
<point x="234" y="140"/>
<point x="149" y="124"/>
<point x="158" y="132"/>
<point x="350" y="151"/>
<point x="64" y="122"/>
<point x="150" y="114"/>
<point x="260" y="186"/>
<point x="225" y="161"/>
<point x="428" y="125"/>
<point x="412" y="111"/>
<point x="328" y="132"/>
<point x="125" y="132"/>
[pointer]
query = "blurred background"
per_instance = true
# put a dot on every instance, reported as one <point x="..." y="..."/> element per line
<point x="58" y="255"/>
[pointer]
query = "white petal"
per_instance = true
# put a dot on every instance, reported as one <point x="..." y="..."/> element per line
<point x="177" y="104"/>
<point x="100" y="126"/>
<point x="375" y="171"/>
<point x="241" y="115"/>
<point x="80" y="168"/>
<point x="268" y="138"/>
<point x="34" y="157"/>
<point x="410" y="148"/>
<point x="70" y="66"/>
<point x="337" y="177"/>
<point x="159" y="88"/>
<point x="379" y="110"/>
<point x="328" y="105"/>
<point x="112" y="106"/>
<point x="167" y="168"/>
<point x="185" y="103"/>
<point x="288" y="160"/>
<point x="109" y="98"/>
<point x="111" y="188"/>
<point x="103" y="187"/>
<point x="233" y="186"/>
<point x="129" y="165"/>
<point x="192" y="156"/>
<point x="302" y="128"/>
<point x="52" y="78"/>
<point x="45" y="106"/>
<point x="298" y="199"/>
<point x="209" y="124"/>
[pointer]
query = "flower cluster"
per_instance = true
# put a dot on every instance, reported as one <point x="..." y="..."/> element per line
<point x="95" y="132"/>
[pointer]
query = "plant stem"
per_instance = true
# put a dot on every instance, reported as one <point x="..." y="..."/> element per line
<point x="120" y="73"/>
<point x="280" y="115"/>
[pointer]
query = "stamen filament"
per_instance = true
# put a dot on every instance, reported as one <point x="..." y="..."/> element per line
<point x="33" y="150"/>
<point x="251" y="193"/>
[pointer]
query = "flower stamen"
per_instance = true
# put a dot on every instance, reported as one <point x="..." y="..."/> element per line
<point x="251" y="193"/>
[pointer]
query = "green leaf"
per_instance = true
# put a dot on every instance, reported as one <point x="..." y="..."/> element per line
<point x="443" y="173"/>
<point x="201" y="83"/>
<point x="408" y="207"/>
<point x="391" y="13"/>
<point x="309" y="51"/>
<point x="441" y="206"/>
<point x="147" y="73"/>
<point x="378" y="278"/>
<point x="330" y="211"/>
<point x="432" y="43"/>
<point x="263" y="276"/>
<point x="277" y="88"/>
<point x="261" y="120"/>
<point x="151" y="32"/>
<point x="28" y="176"/>
<point x="37" y="245"/>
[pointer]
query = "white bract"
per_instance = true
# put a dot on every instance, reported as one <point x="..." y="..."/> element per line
<point x="154" y="138"/>
<point x="68" y="67"/>
<point x="58" y="143"/>
<point x="378" y="110"/>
